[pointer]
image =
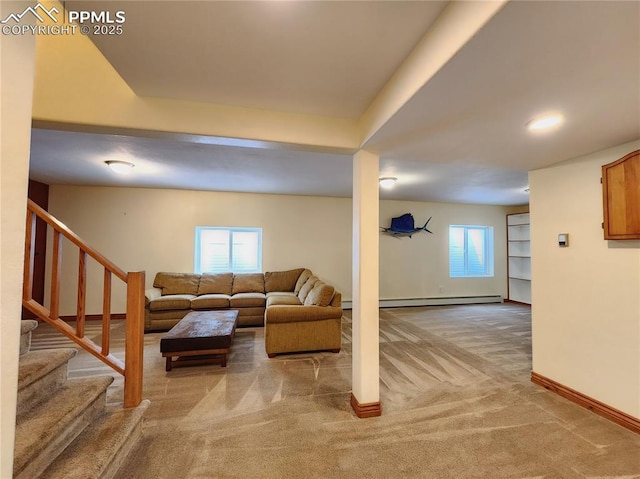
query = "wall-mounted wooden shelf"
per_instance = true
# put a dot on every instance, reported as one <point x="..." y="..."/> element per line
<point x="621" y="198"/>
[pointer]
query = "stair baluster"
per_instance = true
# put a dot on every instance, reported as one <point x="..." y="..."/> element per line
<point x="134" y="343"/>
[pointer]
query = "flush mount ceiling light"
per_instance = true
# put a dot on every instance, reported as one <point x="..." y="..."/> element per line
<point x="121" y="167"/>
<point x="388" y="182"/>
<point x="546" y="122"/>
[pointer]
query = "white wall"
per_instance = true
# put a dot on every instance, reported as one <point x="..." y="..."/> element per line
<point x="586" y="298"/>
<point x="16" y="80"/>
<point x="153" y="230"/>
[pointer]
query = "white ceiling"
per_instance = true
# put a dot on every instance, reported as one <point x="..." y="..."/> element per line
<point x="461" y="138"/>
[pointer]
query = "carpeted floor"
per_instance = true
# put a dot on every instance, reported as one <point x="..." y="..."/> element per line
<point x="456" y="395"/>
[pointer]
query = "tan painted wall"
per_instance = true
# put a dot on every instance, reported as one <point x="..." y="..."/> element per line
<point x="419" y="267"/>
<point x="16" y="82"/>
<point x="153" y="230"/>
<point x="586" y="298"/>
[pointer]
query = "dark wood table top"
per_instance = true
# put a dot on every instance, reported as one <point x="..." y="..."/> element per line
<point x="201" y="330"/>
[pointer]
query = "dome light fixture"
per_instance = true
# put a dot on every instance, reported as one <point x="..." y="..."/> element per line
<point x="545" y="122"/>
<point x="120" y="167"/>
<point x="388" y="182"/>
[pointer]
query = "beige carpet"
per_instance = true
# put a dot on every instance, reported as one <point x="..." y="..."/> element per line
<point x="456" y="395"/>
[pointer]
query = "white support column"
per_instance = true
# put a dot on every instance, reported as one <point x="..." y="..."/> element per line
<point x="17" y="65"/>
<point x="365" y="395"/>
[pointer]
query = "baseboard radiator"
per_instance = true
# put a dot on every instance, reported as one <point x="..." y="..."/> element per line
<point x="436" y="301"/>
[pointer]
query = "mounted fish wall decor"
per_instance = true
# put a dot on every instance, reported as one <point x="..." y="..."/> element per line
<point x="404" y="226"/>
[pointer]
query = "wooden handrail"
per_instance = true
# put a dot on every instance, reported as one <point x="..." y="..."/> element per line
<point x="132" y="367"/>
<point x="75" y="239"/>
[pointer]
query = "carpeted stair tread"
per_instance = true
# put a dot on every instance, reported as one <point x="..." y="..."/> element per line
<point x="26" y="326"/>
<point x="37" y="364"/>
<point x="101" y="449"/>
<point x="43" y="432"/>
<point x="41" y="374"/>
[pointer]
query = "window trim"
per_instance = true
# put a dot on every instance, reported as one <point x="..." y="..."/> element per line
<point x="232" y="230"/>
<point x="488" y="251"/>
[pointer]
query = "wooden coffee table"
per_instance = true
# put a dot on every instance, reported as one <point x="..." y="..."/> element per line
<point x="201" y="337"/>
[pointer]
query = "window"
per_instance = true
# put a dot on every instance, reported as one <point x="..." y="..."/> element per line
<point x="220" y="250"/>
<point x="470" y="251"/>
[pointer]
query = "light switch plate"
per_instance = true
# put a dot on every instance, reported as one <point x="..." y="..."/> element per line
<point x="563" y="240"/>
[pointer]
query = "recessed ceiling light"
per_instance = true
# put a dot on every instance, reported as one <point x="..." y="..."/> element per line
<point x="545" y="122"/>
<point x="121" y="167"/>
<point x="388" y="182"/>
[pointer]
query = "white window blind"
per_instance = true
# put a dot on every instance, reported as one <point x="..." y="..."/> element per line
<point x="470" y="251"/>
<point x="220" y="250"/>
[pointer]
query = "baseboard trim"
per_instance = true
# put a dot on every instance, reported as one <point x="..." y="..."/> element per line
<point x="372" y="409"/>
<point x="513" y="301"/>
<point x="435" y="301"/>
<point x="94" y="317"/>
<point x="600" y="408"/>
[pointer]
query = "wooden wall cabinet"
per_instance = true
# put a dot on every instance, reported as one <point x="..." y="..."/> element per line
<point x="621" y="198"/>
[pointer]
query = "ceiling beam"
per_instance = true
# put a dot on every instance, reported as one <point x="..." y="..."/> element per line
<point x="76" y="85"/>
<point x="457" y="24"/>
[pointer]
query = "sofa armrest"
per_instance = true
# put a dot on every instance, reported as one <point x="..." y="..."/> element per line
<point x="151" y="294"/>
<point x="297" y="314"/>
<point x="337" y="300"/>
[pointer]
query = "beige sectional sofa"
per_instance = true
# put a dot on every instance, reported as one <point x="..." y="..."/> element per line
<point x="299" y="311"/>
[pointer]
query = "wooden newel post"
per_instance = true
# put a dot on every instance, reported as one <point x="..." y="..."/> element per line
<point x="134" y="341"/>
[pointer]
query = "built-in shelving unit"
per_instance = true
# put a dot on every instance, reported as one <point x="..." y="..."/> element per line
<point x="519" y="258"/>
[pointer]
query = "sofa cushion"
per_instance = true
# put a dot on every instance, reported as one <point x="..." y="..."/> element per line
<point x="248" y="283"/>
<point x="244" y="300"/>
<point x="171" y="301"/>
<point x="282" y="299"/>
<point x="281" y="280"/>
<point x="299" y="314"/>
<point x="215" y="283"/>
<point x="177" y="283"/>
<point x="282" y="293"/>
<point x="151" y="294"/>
<point x="302" y="279"/>
<point x="320" y="295"/>
<point x="210" y="301"/>
<point x="307" y="287"/>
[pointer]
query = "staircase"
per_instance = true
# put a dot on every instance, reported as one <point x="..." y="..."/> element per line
<point x="64" y="428"/>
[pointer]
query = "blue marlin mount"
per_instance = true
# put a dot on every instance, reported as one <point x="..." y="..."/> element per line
<point x="404" y="226"/>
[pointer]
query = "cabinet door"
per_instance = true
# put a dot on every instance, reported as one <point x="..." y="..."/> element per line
<point x="621" y="197"/>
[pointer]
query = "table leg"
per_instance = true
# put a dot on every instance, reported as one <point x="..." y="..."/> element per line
<point x="168" y="366"/>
